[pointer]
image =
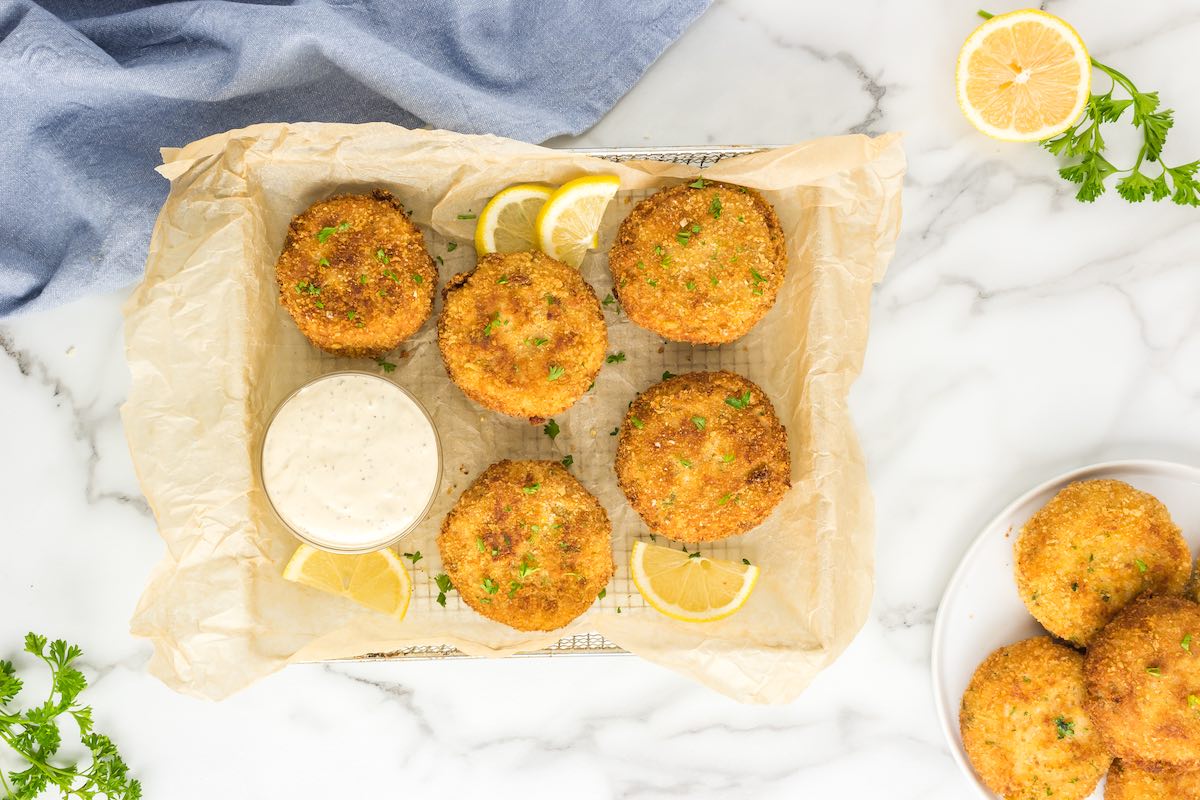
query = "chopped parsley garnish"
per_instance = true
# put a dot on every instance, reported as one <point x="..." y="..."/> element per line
<point x="609" y="300"/>
<point x="637" y="423"/>
<point x="514" y="587"/>
<point x="652" y="282"/>
<point x="551" y="300"/>
<point x="490" y="586"/>
<point x="537" y="341"/>
<point x="324" y="262"/>
<point x="307" y="287"/>
<point x="740" y="403"/>
<point x="556" y="372"/>
<point x="531" y="488"/>
<point x="699" y="183"/>
<point x="758" y="280"/>
<point x="466" y="216"/>
<point x="614" y="431"/>
<point x="391" y="275"/>
<point x="551" y="429"/>
<point x="615" y="358"/>
<point x="1064" y="728"/>
<point x="692" y="555"/>
<point x="727" y="458"/>
<point x="1155" y="671"/>
<point x="503" y="279"/>
<point x="723" y="499"/>
<point x="493" y="323"/>
<point x="451" y="247"/>
<point x="443" y="584"/>
<point x="658" y="251"/>
<point x="383" y="257"/>
<point x="362" y="279"/>
<point x="685" y="462"/>
<point x="1186" y="643"/>
<point x="417" y="279"/>
<point x="527" y="566"/>
<point x="691" y="286"/>
<point x="386" y="366"/>
<point x="746" y="561"/>
<point x="568" y="460"/>
<point x="699" y="422"/>
<point x="350" y="315"/>
<point x="319" y="304"/>
<point x="667" y="375"/>
<point x="324" y="234"/>
<point x="1141" y="565"/>
<point x="714" y="207"/>
<point x="713" y="280"/>
<point x="741" y="218"/>
<point x="479" y="544"/>
<point x="603" y="593"/>
<point x="440" y="260"/>
<point x="1193" y="701"/>
<point x="683" y="237"/>
<point x="414" y="557"/>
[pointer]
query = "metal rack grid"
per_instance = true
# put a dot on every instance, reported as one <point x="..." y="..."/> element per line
<point x="677" y="357"/>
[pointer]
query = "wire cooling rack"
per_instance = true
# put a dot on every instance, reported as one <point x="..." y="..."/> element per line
<point x="675" y="357"/>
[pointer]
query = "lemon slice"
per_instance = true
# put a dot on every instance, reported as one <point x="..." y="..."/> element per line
<point x="508" y="222"/>
<point x="376" y="580"/>
<point x="690" y="588"/>
<point x="1023" y="76"/>
<point x="568" y="224"/>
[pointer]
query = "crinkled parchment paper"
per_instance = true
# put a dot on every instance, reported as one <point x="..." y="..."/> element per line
<point x="212" y="352"/>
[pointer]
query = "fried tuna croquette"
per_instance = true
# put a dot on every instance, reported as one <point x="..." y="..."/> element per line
<point x="1143" y="683"/>
<point x="702" y="456"/>
<point x="523" y="334"/>
<point x="699" y="265"/>
<point x="1130" y="782"/>
<point x="1092" y="549"/>
<point x="1024" y="725"/>
<point x="526" y="545"/>
<point x="355" y="275"/>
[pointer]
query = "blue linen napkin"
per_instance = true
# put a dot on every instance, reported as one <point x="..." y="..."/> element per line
<point x="89" y="90"/>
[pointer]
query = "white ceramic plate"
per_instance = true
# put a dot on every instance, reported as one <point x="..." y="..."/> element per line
<point x="981" y="609"/>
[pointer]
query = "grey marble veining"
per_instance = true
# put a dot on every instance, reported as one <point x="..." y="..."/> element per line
<point x="1018" y="334"/>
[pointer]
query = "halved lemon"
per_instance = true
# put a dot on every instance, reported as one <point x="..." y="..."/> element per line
<point x="376" y="580"/>
<point x="687" y="587"/>
<point x="1023" y="76"/>
<point x="508" y="222"/>
<point x="568" y="224"/>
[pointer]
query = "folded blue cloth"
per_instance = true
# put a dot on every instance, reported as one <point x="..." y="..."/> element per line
<point x="89" y="90"/>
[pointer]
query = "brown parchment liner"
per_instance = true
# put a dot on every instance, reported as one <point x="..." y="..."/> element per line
<point x="211" y="352"/>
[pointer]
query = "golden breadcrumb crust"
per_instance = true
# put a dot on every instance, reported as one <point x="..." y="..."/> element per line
<point x="355" y="275"/>
<point x="702" y="456"/>
<point x="1024" y="726"/>
<point x="527" y="545"/>
<point x="523" y="334"/>
<point x="1130" y="782"/>
<point x="1143" y="683"/>
<point x="699" y="265"/>
<point x="1091" y="550"/>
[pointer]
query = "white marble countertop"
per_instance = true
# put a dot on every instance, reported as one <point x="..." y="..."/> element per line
<point x="1018" y="334"/>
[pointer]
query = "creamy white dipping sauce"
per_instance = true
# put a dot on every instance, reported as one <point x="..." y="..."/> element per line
<point x="350" y="462"/>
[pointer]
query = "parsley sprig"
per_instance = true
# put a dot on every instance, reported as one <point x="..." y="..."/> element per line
<point x="1084" y="144"/>
<point x="35" y="737"/>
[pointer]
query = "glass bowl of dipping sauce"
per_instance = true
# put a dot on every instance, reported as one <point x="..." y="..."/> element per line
<point x="351" y="462"/>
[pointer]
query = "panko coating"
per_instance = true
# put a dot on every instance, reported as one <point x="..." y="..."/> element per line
<point x="1024" y="725"/>
<point x="526" y="545"/>
<point x="355" y="275"/>
<point x="1091" y="550"/>
<point x="700" y="262"/>
<point x="523" y="334"/>
<point x="1143" y="683"/>
<point x="1130" y="782"/>
<point x="702" y="456"/>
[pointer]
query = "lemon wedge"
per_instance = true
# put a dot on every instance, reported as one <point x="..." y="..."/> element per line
<point x="568" y="224"/>
<point x="508" y="222"/>
<point x="1023" y="76"/>
<point x="376" y="580"/>
<point x="687" y="587"/>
